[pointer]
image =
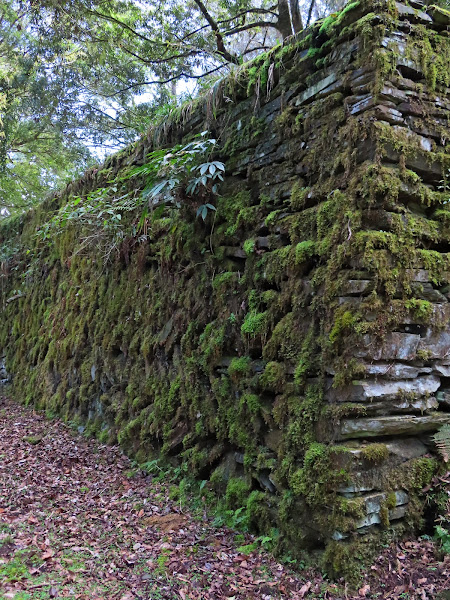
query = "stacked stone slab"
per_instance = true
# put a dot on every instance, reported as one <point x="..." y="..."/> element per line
<point x="295" y="352"/>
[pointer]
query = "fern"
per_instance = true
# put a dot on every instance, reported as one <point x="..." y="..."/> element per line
<point x="442" y="440"/>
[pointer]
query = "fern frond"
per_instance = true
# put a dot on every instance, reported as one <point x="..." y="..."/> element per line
<point x="442" y="440"/>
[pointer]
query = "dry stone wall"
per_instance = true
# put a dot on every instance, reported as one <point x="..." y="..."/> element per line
<point x="294" y="349"/>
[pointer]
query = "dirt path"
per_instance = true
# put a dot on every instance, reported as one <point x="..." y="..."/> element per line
<point x="76" y="522"/>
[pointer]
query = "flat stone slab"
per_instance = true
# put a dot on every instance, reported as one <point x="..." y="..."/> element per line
<point x="442" y="369"/>
<point x="373" y="504"/>
<point x="436" y="344"/>
<point x="401" y="405"/>
<point x="315" y="89"/>
<point x="357" y="286"/>
<point x="367" y="390"/>
<point x="420" y="386"/>
<point x="412" y="14"/>
<point x="397" y="370"/>
<point x="393" y="425"/>
<point x="440" y="15"/>
<point x="407" y="449"/>
<point x="396" y="346"/>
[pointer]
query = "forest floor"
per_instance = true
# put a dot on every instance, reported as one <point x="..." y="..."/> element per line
<point x="76" y="521"/>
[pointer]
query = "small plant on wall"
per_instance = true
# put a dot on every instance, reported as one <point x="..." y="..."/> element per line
<point x="174" y="177"/>
<point x="182" y="173"/>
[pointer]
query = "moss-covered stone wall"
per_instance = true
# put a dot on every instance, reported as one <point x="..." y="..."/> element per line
<point x="294" y="348"/>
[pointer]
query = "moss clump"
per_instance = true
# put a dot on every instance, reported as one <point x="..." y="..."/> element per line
<point x="413" y="475"/>
<point x="258" y="510"/>
<point x="375" y="453"/>
<point x="251" y="402"/>
<point x="299" y="195"/>
<point x="237" y="492"/>
<point x="249" y="247"/>
<point x="255" y="323"/>
<point x="319" y="477"/>
<point x="273" y="376"/>
<point x="332" y="22"/>
<point x="422" y="310"/>
<point x="344" y="324"/>
<point x="223" y="281"/>
<point x="239" y="367"/>
<point x="342" y="559"/>
<point x="211" y="342"/>
<point x="304" y="251"/>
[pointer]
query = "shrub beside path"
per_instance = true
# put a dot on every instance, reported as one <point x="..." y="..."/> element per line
<point x="77" y="522"/>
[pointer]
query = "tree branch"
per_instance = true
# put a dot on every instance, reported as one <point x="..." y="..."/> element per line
<point x="250" y="26"/>
<point x="256" y="11"/>
<point x="168" y="80"/>
<point x="221" y="50"/>
<point x="124" y="26"/>
<point x="311" y="8"/>
<point x="158" y="61"/>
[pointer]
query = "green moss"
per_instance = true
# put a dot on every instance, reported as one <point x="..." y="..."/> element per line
<point x="413" y="475"/>
<point x="255" y="323"/>
<point x="249" y="247"/>
<point x="32" y="439"/>
<point x="341" y="559"/>
<point x="299" y="195"/>
<point x="224" y="281"/>
<point x="432" y="52"/>
<point x="276" y="263"/>
<point x="272" y="217"/>
<point x="211" y="342"/>
<point x="273" y="376"/>
<point x="237" y="493"/>
<point x="332" y="22"/>
<point x="251" y="402"/>
<point x="327" y="22"/>
<point x="319" y="478"/>
<point x="391" y="500"/>
<point x="344" y="323"/>
<point x="375" y="453"/>
<point x="422" y="310"/>
<point x="305" y="359"/>
<point x="304" y="251"/>
<point x="239" y="367"/>
<point x="258" y="510"/>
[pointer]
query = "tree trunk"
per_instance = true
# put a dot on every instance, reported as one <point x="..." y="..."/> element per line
<point x="289" y="18"/>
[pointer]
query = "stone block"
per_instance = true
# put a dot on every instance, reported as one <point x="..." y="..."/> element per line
<point x="407" y="449"/>
<point x="441" y="369"/>
<point x="410" y="107"/>
<point x="395" y="370"/>
<point x="390" y="115"/>
<point x="395" y="346"/>
<point x="368" y="390"/>
<point x="357" y="287"/>
<point x="425" y="291"/>
<point x="316" y="88"/>
<point x="436" y="344"/>
<point x="399" y="406"/>
<point x="392" y="94"/>
<point x="392" y="425"/>
<point x="413" y="15"/>
<point x="439" y="15"/>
